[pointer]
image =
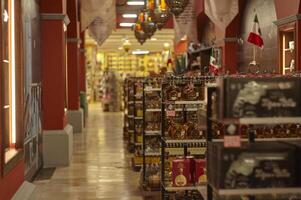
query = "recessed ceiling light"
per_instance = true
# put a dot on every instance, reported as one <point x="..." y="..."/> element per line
<point x="140" y="52"/>
<point x="129" y="15"/>
<point x="126" y="24"/>
<point x="154" y="39"/>
<point x="135" y="3"/>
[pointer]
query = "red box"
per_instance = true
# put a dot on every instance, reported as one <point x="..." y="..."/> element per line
<point x="200" y="176"/>
<point x="192" y="167"/>
<point x="181" y="172"/>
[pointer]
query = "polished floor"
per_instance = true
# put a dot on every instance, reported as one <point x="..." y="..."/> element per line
<point x="101" y="165"/>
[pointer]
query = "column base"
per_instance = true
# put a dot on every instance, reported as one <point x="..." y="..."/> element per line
<point x="58" y="147"/>
<point x="76" y="120"/>
<point x="26" y="192"/>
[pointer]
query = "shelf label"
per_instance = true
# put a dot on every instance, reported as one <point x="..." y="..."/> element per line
<point x="232" y="141"/>
<point x="170" y="112"/>
<point x="148" y="88"/>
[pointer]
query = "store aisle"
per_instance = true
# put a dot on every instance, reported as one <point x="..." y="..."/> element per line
<point x="100" y="167"/>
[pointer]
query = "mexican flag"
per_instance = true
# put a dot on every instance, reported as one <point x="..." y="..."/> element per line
<point x="255" y="35"/>
<point x="212" y="63"/>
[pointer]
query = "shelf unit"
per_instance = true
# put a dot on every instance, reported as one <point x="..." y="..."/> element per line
<point x="249" y="193"/>
<point x="151" y="137"/>
<point x="138" y="122"/>
<point x="129" y="112"/>
<point x="180" y="111"/>
<point x="287" y="49"/>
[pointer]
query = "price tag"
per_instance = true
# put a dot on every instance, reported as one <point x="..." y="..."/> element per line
<point x="232" y="141"/>
<point x="170" y="112"/>
<point x="148" y="87"/>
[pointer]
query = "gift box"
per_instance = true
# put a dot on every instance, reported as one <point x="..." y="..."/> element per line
<point x="258" y="165"/>
<point x="200" y="176"/>
<point x="181" y="172"/>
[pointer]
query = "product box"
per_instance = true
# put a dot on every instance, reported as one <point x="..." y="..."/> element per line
<point x="200" y="176"/>
<point x="257" y="165"/>
<point x="181" y="172"/>
<point x="297" y="145"/>
<point x="247" y="97"/>
<point x="192" y="167"/>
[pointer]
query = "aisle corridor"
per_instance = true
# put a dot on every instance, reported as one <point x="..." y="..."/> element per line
<point x="101" y="165"/>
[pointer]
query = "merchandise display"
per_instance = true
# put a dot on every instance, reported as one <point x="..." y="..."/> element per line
<point x="151" y="132"/>
<point x="183" y="146"/>
<point x="129" y="112"/>
<point x="191" y="136"/>
<point x="253" y="138"/>
<point x="138" y="122"/>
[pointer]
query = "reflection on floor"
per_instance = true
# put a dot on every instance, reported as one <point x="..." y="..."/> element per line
<point x="100" y="167"/>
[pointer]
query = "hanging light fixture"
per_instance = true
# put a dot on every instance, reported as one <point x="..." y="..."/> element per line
<point x="149" y="26"/>
<point x="126" y="45"/>
<point x="139" y="33"/>
<point x="177" y="6"/>
<point x="140" y="36"/>
<point x="161" y="13"/>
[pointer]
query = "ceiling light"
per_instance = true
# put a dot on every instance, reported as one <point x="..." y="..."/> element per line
<point x="129" y="15"/>
<point x="154" y="39"/>
<point x="135" y="3"/>
<point x="140" y="52"/>
<point x="125" y="24"/>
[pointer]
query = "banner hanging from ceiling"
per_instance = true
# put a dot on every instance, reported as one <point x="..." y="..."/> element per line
<point x="222" y="12"/>
<point x="185" y="24"/>
<point x="99" y="17"/>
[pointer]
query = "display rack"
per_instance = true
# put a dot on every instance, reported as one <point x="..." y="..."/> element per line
<point x="33" y="132"/>
<point x="181" y="135"/>
<point x="250" y="131"/>
<point x="138" y="123"/>
<point x="151" y="133"/>
<point x="129" y="113"/>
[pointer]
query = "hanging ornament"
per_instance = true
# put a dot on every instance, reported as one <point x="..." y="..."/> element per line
<point x="126" y="45"/>
<point x="140" y="36"/>
<point x="138" y="31"/>
<point x="161" y="13"/>
<point x="148" y="26"/>
<point x="177" y="6"/>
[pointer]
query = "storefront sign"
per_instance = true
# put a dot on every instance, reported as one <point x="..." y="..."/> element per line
<point x="222" y="12"/>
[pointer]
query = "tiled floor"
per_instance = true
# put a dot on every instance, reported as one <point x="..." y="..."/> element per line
<point x="100" y="168"/>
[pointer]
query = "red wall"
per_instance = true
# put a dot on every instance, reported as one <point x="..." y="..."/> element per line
<point x="11" y="182"/>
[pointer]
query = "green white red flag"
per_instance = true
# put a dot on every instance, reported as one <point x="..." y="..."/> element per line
<point x="255" y="35"/>
<point x="212" y="64"/>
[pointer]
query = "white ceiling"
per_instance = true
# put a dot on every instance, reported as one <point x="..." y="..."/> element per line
<point x="117" y="38"/>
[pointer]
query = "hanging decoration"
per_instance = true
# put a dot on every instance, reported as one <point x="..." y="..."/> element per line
<point x="177" y="6"/>
<point x="99" y="17"/>
<point x="140" y="36"/>
<point x="149" y="26"/>
<point x="185" y="24"/>
<point x="161" y="13"/>
<point x="126" y="45"/>
<point x="139" y="33"/>
<point x="221" y="12"/>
